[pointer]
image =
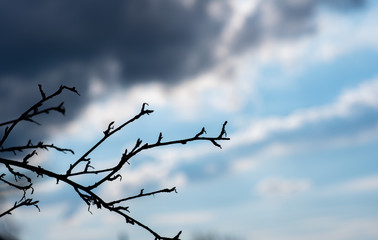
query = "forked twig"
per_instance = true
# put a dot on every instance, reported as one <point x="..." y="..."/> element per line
<point x="82" y="166"/>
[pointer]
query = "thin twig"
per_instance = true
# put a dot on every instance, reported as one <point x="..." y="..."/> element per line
<point x="86" y="193"/>
<point x="142" y="194"/>
<point x="24" y="116"/>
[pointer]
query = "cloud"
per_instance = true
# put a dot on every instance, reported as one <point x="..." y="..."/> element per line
<point x="139" y="39"/>
<point x="279" y="20"/>
<point x="149" y="39"/>
<point x="358" y="185"/>
<point x="92" y="55"/>
<point x="97" y="46"/>
<point x="350" y="103"/>
<point x="243" y="165"/>
<point x="329" y="227"/>
<point x="270" y="136"/>
<point x="273" y="187"/>
<point x="105" y="43"/>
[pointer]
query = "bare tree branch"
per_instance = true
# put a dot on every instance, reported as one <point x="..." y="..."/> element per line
<point x="29" y="117"/>
<point x="28" y="114"/>
<point x="40" y="145"/>
<point x="107" y="133"/>
<point x="142" y="194"/>
<point x="24" y="202"/>
<point x="86" y="193"/>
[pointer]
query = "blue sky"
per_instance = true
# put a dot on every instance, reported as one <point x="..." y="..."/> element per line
<point x="302" y="111"/>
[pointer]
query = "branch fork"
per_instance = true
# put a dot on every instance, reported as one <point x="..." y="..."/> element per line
<point x="83" y="165"/>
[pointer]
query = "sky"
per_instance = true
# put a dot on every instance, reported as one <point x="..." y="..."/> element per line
<point x="296" y="80"/>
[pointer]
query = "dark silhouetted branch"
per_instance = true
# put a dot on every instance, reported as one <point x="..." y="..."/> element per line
<point x="34" y="110"/>
<point x="142" y="194"/>
<point x="82" y="166"/>
<point x="24" y="202"/>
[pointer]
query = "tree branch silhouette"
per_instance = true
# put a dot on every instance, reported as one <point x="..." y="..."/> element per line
<point x="21" y="181"/>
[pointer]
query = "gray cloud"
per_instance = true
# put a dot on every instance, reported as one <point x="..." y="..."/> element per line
<point x="134" y="41"/>
<point x="288" y="19"/>
<point x="150" y="39"/>
<point x="163" y="40"/>
<point x="69" y="42"/>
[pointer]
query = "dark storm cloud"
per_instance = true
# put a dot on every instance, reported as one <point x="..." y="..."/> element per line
<point x="150" y="39"/>
<point x="68" y="42"/>
<point x="127" y="41"/>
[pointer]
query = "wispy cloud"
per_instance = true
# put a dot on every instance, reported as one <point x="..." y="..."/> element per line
<point x="125" y="48"/>
<point x="276" y="187"/>
<point x="357" y="185"/>
<point x="329" y="227"/>
<point x="350" y="103"/>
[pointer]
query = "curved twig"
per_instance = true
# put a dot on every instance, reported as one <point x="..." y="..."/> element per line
<point x="86" y="193"/>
